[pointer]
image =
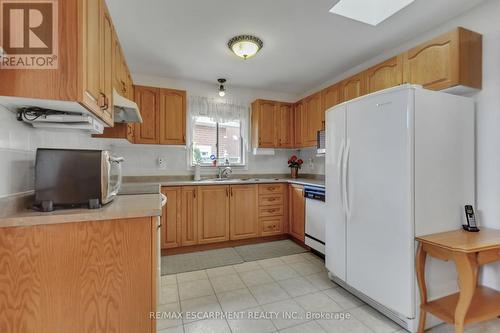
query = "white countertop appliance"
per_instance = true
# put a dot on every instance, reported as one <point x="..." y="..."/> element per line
<point x="399" y="164"/>
<point x="315" y="217"/>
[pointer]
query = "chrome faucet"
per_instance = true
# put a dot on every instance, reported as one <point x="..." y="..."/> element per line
<point x="224" y="173"/>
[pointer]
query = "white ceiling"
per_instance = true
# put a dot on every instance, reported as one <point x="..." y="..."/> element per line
<point x="304" y="44"/>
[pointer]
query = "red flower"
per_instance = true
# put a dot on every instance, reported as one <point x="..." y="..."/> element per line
<point x="300" y="162"/>
<point x="293" y="158"/>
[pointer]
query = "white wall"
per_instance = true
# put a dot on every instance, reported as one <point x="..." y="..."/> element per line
<point x="18" y="143"/>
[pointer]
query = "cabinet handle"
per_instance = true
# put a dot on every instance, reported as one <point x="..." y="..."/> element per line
<point x="100" y="100"/>
<point x="271" y="210"/>
<point x="106" y="103"/>
<point x="271" y="199"/>
<point x="231" y="191"/>
<point x="271" y="188"/>
<point x="194" y="194"/>
<point x="227" y="192"/>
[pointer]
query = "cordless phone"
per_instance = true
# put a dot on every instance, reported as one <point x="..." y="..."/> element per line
<point x="471" y="219"/>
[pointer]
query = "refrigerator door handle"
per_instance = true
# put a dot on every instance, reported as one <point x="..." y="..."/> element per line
<point x="341" y="173"/>
<point x="345" y="170"/>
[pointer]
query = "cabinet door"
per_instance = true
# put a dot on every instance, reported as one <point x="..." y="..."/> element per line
<point x="107" y="69"/>
<point x="213" y="214"/>
<point x="284" y="122"/>
<point x="170" y="218"/>
<point x="92" y="97"/>
<point x="297" y="212"/>
<point x="385" y="75"/>
<point x="331" y="97"/>
<point x="267" y="129"/>
<point x="189" y="216"/>
<point x="353" y="87"/>
<point x="244" y="209"/>
<point x="299" y="124"/>
<point x="119" y="74"/>
<point x="148" y="98"/>
<point x="172" y="117"/>
<point x="313" y="114"/>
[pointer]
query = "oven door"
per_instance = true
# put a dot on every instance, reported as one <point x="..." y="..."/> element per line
<point x="111" y="176"/>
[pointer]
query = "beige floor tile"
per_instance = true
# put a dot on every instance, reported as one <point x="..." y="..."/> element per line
<point x="168" y="280"/>
<point x="168" y="294"/>
<point x="270" y="262"/>
<point x="178" y="329"/>
<point x="237" y="300"/>
<point x="194" y="289"/>
<point x="309" y="327"/>
<point x="247" y="266"/>
<point x="343" y="298"/>
<point x="207" y="326"/>
<point x="318" y="302"/>
<point x="193" y="306"/>
<point x="293" y="258"/>
<point x="168" y="318"/>
<point x="297" y="286"/>
<point x="253" y="278"/>
<point x="223" y="283"/>
<point x="374" y="319"/>
<point x="351" y="325"/>
<point x="283" y="308"/>
<point x="281" y="272"/>
<point x="191" y="276"/>
<point x="251" y="324"/>
<point x="220" y="271"/>
<point x="306" y="268"/>
<point x="321" y="281"/>
<point x="268" y="293"/>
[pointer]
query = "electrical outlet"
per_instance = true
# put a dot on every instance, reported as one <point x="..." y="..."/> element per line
<point x="162" y="163"/>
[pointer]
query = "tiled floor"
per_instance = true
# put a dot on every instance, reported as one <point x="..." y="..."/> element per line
<point x="293" y="284"/>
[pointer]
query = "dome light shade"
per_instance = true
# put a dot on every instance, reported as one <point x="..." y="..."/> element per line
<point x="245" y="46"/>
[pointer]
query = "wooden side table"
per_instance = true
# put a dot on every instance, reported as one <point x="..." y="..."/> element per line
<point x="469" y="251"/>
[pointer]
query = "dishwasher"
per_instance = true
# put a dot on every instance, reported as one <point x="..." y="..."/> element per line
<point x="315" y="217"/>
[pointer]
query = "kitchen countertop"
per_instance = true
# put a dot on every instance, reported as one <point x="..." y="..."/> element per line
<point x="235" y="180"/>
<point x="123" y="207"/>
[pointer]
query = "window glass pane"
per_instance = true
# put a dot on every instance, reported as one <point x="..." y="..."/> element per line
<point x="204" y="140"/>
<point x="230" y="143"/>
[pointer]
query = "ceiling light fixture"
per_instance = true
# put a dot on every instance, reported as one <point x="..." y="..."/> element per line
<point x="245" y="46"/>
<point x="222" y="89"/>
<point x="371" y="12"/>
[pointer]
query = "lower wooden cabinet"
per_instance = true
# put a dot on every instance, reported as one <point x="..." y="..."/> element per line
<point x="213" y="214"/>
<point x="171" y="218"/>
<point x="244" y="212"/>
<point x="189" y="215"/>
<point x="297" y="211"/>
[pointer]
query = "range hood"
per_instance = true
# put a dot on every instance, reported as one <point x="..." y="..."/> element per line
<point x="126" y="111"/>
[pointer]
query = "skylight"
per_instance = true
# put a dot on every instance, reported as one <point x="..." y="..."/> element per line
<point x="371" y="12"/>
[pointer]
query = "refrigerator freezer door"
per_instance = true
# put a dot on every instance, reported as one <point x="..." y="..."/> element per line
<point x="335" y="217"/>
<point x="379" y="177"/>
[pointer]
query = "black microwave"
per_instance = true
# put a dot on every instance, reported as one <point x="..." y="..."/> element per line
<point x="69" y="178"/>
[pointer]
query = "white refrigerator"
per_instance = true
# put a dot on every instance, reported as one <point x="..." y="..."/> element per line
<point x="399" y="164"/>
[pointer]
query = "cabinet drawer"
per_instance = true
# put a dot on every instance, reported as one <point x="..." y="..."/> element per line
<point x="271" y="226"/>
<point x="271" y="200"/>
<point x="271" y="189"/>
<point x="271" y="211"/>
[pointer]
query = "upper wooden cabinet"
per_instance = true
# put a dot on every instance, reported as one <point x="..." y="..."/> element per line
<point x="385" y="75"/>
<point x="164" y="116"/>
<point x="284" y="119"/>
<point x="331" y="97"/>
<point x="171" y="218"/>
<point x="172" y="117"/>
<point x="353" y="87"/>
<point x="313" y="116"/>
<point x="244" y="212"/>
<point x="263" y="124"/>
<point x="450" y="60"/>
<point x="299" y="124"/>
<point x="213" y="214"/>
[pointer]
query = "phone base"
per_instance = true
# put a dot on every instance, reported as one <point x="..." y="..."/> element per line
<point x="470" y="229"/>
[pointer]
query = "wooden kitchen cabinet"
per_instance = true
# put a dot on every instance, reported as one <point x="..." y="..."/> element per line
<point x="172" y="117"/>
<point x="263" y="124"/>
<point x="297" y="211"/>
<point x="284" y="122"/>
<point x="450" y="60"/>
<point x="299" y="124"/>
<point x="148" y="101"/>
<point x="189" y="215"/>
<point x="353" y="87"/>
<point x="313" y="111"/>
<point x="244" y="212"/>
<point x="213" y="214"/>
<point x="384" y="75"/>
<point x="331" y="97"/>
<point x="171" y="218"/>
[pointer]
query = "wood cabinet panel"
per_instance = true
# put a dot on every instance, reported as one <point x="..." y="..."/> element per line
<point x="107" y="70"/>
<point x="213" y="214"/>
<point x="271" y="199"/>
<point x="300" y="124"/>
<point x="284" y="121"/>
<point x="385" y="75"/>
<point x="244" y="220"/>
<point x="172" y="117"/>
<point x="171" y="218"/>
<point x="79" y="277"/>
<point x="148" y="100"/>
<point x="297" y="212"/>
<point x="271" y="188"/>
<point x="263" y="124"/>
<point x="189" y="216"/>
<point x="331" y="97"/>
<point x="266" y="211"/>
<point x="353" y="87"/>
<point x="313" y="116"/>
<point x="271" y="226"/>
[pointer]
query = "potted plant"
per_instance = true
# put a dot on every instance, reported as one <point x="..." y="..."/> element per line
<point x="295" y="163"/>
